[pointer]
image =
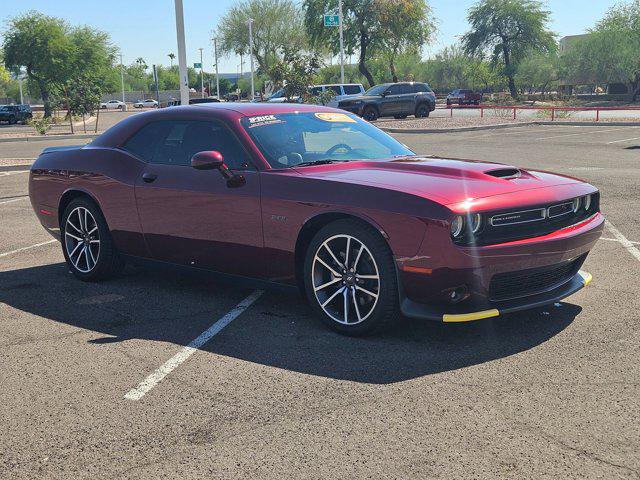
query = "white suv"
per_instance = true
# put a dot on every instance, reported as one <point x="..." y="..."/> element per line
<point x="342" y="91"/>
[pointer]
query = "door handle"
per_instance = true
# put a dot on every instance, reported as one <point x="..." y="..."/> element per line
<point x="149" y="177"/>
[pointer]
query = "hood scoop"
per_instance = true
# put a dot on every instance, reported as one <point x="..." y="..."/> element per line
<point x="506" y="173"/>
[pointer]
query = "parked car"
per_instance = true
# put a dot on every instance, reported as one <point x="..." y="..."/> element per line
<point x="15" y="113"/>
<point x="317" y="199"/>
<point x="342" y="91"/>
<point x="113" y="105"/>
<point x="396" y="100"/>
<point x="279" y="97"/>
<point x="194" y="101"/>
<point x="463" y="96"/>
<point x="148" y="103"/>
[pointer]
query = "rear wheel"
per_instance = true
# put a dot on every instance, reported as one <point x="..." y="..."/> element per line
<point x="350" y="278"/>
<point x="422" y="111"/>
<point x="86" y="242"/>
<point x="12" y="120"/>
<point x="370" y="114"/>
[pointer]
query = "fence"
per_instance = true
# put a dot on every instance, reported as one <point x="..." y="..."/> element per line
<point x="553" y="110"/>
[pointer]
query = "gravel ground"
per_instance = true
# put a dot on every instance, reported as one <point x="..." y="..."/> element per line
<point x="445" y="122"/>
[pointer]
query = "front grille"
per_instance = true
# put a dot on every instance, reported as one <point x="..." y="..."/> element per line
<point x="522" y="283"/>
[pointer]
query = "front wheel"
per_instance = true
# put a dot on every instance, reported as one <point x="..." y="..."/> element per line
<point x="350" y="278"/>
<point x="86" y="242"/>
<point x="370" y="114"/>
<point x="422" y="111"/>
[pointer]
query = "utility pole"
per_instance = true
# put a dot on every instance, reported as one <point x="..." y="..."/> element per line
<point x="201" y="73"/>
<point x="251" y="56"/>
<point x="122" y="77"/>
<point x="341" y="42"/>
<point x="20" y="86"/>
<point x="155" y="81"/>
<point x="215" y="55"/>
<point x="182" y="54"/>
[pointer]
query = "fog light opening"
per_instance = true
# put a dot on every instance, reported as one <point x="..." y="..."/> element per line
<point x="457" y="294"/>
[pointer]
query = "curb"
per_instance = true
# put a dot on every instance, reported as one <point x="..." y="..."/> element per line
<point x="46" y="138"/>
<point x="460" y="129"/>
<point x="590" y="124"/>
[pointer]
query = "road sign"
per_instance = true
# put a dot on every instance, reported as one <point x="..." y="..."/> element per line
<point x="331" y="20"/>
<point x="197" y="65"/>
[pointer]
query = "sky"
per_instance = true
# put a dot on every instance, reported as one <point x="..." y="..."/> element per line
<point x="146" y="28"/>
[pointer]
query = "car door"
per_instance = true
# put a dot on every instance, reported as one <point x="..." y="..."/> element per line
<point x="407" y="99"/>
<point x="390" y="104"/>
<point x="193" y="217"/>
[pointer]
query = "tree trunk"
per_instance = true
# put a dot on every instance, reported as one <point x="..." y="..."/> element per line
<point x="507" y="66"/>
<point x="635" y="88"/>
<point x="362" y="67"/>
<point x="394" y="74"/>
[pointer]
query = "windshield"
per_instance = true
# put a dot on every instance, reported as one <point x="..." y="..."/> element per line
<point x="377" y="90"/>
<point x="291" y="139"/>
<point x="278" y="93"/>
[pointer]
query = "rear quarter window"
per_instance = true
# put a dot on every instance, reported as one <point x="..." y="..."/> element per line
<point x="351" y="89"/>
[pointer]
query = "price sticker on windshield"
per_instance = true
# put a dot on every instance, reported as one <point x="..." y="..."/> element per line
<point x="262" y="120"/>
<point x="335" y="117"/>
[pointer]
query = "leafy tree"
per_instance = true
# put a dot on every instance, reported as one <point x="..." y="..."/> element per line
<point x="510" y="30"/>
<point x="57" y="56"/>
<point x="610" y="53"/>
<point x="294" y="73"/>
<point x="405" y="26"/>
<point x="537" y="73"/>
<point x="276" y="25"/>
<point x="361" y="27"/>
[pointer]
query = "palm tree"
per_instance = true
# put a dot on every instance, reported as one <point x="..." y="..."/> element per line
<point x="141" y="63"/>
<point x="172" y="56"/>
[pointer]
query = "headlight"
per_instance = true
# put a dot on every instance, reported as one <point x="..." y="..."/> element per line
<point x="576" y="204"/>
<point x="475" y="222"/>
<point x="587" y="202"/>
<point x="457" y="226"/>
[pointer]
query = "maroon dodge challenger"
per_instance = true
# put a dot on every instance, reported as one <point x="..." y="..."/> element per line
<point x="317" y="199"/>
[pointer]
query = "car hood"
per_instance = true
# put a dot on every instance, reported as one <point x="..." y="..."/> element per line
<point x="443" y="180"/>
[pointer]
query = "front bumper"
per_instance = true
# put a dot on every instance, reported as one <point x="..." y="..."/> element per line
<point x="452" y="314"/>
<point x="357" y="109"/>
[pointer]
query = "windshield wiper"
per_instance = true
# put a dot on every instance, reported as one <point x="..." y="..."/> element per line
<point x="317" y="162"/>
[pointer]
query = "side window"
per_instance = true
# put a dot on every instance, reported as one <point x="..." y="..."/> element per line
<point x="406" y="88"/>
<point x="315" y="91"/>
<point x="336" y="89"/>
<point x="394" y="90"/>
<point x="175" y="142"/>
<point x="420" y="88"/>
<point x="351" y="89"/>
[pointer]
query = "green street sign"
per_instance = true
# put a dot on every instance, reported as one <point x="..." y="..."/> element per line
<point x="331" y="20"/>
<point x="197" y="65"/>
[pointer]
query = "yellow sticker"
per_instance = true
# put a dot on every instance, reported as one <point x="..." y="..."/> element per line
<point x="334" y="117"/>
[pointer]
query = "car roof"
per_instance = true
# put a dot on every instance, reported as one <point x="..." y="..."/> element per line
<point x="250" y="109"/>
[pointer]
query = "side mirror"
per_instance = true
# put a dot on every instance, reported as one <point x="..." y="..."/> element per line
<point x="209" y="160"/>
<point x="384" y="94"/>
<point x="213" y="160"/>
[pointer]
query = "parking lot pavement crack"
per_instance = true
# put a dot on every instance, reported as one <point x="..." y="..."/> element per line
<point x="580" y="451"/>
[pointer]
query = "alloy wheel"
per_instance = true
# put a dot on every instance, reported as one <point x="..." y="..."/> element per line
<point x="82" y="239"/>
<point x="345" y="279"/>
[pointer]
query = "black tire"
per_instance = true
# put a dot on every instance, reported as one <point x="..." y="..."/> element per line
<point x="378" y="314"/>
<point x="422" y="111"/>
<point x="107" y="262"/>
<point x="399" y="117"/>
<point x="12" y="120"/>
<point x="370" y="114"/>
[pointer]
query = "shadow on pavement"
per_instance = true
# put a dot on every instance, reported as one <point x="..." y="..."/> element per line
<point x="277" y="331"/>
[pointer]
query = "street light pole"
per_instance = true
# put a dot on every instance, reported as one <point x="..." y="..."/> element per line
<point x="251" y="56"/>
<point x="20" y="86"/>
<point x="182" y="54"/>
<point x="122" y="77"/>
<point x="215" y="54"/>
<point x="201" y="74"/>
<point x="341" y="42"/>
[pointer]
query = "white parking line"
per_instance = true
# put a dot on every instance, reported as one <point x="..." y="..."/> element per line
<point x="18" y="250"/>
<point x="13" y="200"/>
<point x="616" y="240"/>
<point x="586" y="133"/>
<point x="622" y="141"/>
<point x="157" y="376"/>
<point x="12" y="172"/>
<point x="623" y="240"/>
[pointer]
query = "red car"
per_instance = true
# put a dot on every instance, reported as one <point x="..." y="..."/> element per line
<point x="319" y="200"/>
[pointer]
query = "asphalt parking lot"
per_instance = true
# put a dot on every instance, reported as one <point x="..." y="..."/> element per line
<point x="114" y="380"/>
